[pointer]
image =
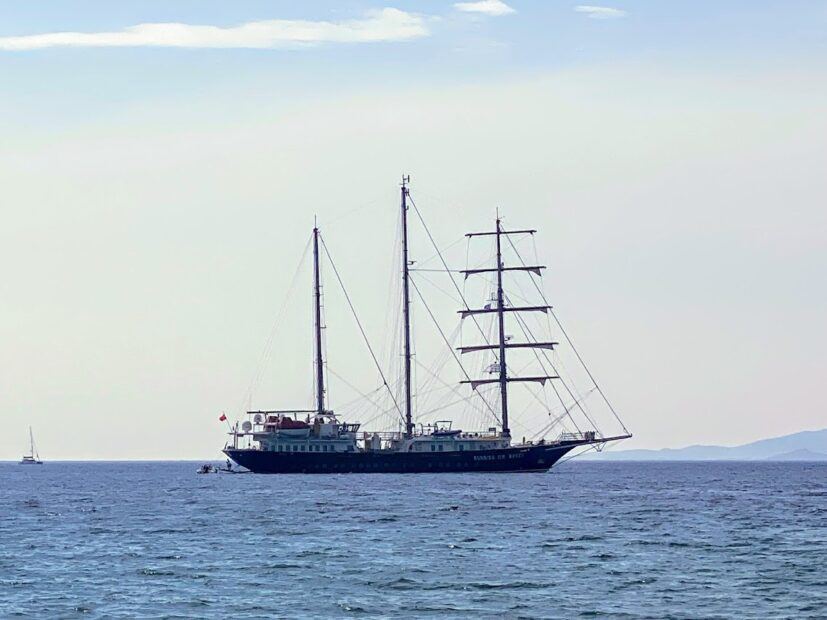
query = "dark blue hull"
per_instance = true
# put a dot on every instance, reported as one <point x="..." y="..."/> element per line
<point x="528" y="458"/>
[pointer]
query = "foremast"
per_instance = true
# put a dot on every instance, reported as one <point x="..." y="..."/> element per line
<point x="503" y="342"/>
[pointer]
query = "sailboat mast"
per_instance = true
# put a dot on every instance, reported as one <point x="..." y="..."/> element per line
<point x="406" y="308"/>
<point x="31" y="441"/>
<point x="317" y="299"/>
<point x="501" y="318"/>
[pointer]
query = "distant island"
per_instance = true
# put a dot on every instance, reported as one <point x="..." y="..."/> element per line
<point x="803" y="446"/>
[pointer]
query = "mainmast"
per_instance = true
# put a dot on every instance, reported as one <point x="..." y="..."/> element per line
<point x="317" y="299"/>
<point x="406" y="307"/>
<point x="502" y="341"/>
<point x="501" y="319"/>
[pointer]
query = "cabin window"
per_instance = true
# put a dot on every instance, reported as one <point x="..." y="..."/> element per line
<point x="440" y="447"/>
<point x="302" y="448"/>
<point x="433" y="448"/>
<point x="461" y="447"/>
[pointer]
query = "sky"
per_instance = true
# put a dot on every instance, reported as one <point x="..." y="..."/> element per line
<point x="161" y="165"/>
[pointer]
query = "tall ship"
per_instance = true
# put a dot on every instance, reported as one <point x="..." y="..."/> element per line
<point x="317" y="440"/>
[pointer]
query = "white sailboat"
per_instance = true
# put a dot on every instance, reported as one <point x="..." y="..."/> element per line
<point x="32" y="458"/>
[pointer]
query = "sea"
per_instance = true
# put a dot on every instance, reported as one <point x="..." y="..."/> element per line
<point x="588" y="539"/>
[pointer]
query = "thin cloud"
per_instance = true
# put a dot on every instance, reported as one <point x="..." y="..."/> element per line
<point x="600" y="12"/>
<point x="485" y="7"/>
<point x="387" y="24"/>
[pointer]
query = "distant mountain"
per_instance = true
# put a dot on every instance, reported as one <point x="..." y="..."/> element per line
<point x="806" y="445"/>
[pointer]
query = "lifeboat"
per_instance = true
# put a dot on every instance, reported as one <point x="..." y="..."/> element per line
<point x="292" y="428"/>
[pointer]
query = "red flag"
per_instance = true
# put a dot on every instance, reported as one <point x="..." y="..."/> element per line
<point x="222" y="418"/>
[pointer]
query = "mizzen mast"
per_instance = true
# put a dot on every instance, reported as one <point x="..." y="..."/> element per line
<point x="317" y="303"/>
<point x="406" y="308"/>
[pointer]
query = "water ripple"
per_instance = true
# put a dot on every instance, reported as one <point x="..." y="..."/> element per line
<point x="623" y="540"/>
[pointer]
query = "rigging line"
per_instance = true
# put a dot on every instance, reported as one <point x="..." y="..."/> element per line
<point x="588" y="372"/>
<point x="480" y="263"/>
<point x="575" y="454"/>
<point x="446" y="385"/>
<point x="566" y="410"/>
<point x="425" y="390"/>
<point x="544" y="403"/>
<point x="359" y="324"/>
<point x="434" y="409"/>
<point x="448" y="344"/>
<point x="268" y="343"/>
<point x="382" y="414"/>
<point x="436" y="390"/>
<point x="444" y="264"/>
<point x="362" y="395"/>
<point x="438" y="405"/>
<point x="440" y="289"/>
<point x="559" y="417"/>
<point x="366" y="395"/>
<point x="571" y="344"/>
<point x="392" y="308"/>
<point x="530" y="336"/>
<point x="447" y="247"/>
<point x="383" y="411"/>
<point x="442" y="407"/>
<point x="560" y="369"/>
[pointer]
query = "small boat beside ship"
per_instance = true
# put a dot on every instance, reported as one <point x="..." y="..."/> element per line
<point x="32" y="458"/>
<point x="209" y="468"/>
<point x="317" y="440"/>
